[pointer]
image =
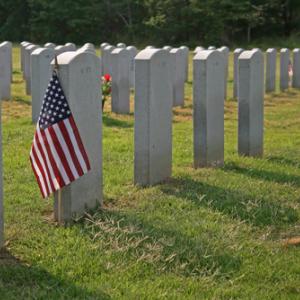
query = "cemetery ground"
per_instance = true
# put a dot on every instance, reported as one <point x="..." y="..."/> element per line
<point x="206" y="233"/>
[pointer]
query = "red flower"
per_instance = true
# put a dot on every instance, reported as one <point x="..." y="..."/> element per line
<point x="107" y="77"/>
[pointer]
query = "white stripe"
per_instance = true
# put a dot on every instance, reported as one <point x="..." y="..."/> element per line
<point x="38" y="153"/>
<point x="65" y="150"/>
<point x="57" y="159"/>
<point x="37" y="170"/>
<point x="75" y="145"/>
<point x="54" y="180"/>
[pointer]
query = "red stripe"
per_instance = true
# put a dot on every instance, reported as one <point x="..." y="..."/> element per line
<point x="38" y="179"/>
<point x="61" y="153"/>
<point x="56" y="172"/>
<point x="79" y="142"/>
<point x="41" y="169"/>
<point x="45" y="160"/>
<point x="68" y="141"/>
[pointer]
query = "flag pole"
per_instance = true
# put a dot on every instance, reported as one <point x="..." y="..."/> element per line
<point x="59" y="204"/>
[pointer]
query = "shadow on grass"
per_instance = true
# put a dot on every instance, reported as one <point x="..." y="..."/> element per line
<point x="283" y="161"/>
<point x="255" y="210"/>
<point x="23" y="101"/>
<point x="161" y="248"/>
<point x="20" y="281"/>
<point x="110" y="122"/>
<point x="264" y="175"/>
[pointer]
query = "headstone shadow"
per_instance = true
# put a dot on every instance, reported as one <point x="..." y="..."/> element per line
<point x="111" y="122"/>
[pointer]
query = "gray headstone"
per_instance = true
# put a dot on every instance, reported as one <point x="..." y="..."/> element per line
<point x="120" y="95"/>
<point x="1" y="191"/>
<point x="89" y="46"/>
<point x="211" y="48"/>
<point x="103" y="45"/>
<point x="153" y="117"/>
<point x="49" y="45"/>
<point x="78" y="76"/>
<point x="225" y="51"/>
<point x="106" y="59"/>
<point x="271" y="55"/>
<point x="70" y="47"/>
<point x="132" y="52"/>
<point x="150" y="47"/>
<point x="40" y="76"/>
<point x="186" y="54"/>
<point x="27" y="66"/>
<point x="284" y="68"/>
<point x="251" y="103"/>
<point x="61" y="49"/>
<point x="236" y="53"/>
<point x="296" y="68"/>
<point x="121" y="45"/>
<point x="178" y="62"/>
<point x="168" y="48"/>
<point x="5" y="70"/>
<point x="208" y="105"/>
<point x="197" y="49"/>
<point x="23" y="45"/>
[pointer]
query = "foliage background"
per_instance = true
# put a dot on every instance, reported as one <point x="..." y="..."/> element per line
<point x="159" y="22"/>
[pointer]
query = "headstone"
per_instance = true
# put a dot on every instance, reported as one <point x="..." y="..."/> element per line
<point x="225" y="51"/>
<point x="40" y="75"/>
<point x="78" y="76"/>
<point x="103" y="45"/>
<point x="49" y="45"/>
<point x="121" y="45"/>
<point x="71" y="47"/>
<point x="209" y="70"/>
<point x="271" y="55"/>
<point x="236" y="53"/>
<point x="106" y="59"/>
<point x="88" y="47"/>
<point x="296" y="68"/>
<point x="23" y="45"/>
<point x="153" y="117"/>
<point x="5" y="70"/>
<point x="1" y="193"/>
<point x="186" y="52"/>
<point x="251" y="103"/>
<point x="168" y="48"/>
<point x="178" y="62"/>
<point x="27" y="67"/>
<point x="197" y="49"/>
<point x="211" y="48"/>
<point x="120" y="91"/>
<point x="150" y="47"/>
<point x="284" y="68"/>
<point x="60" y="49"/>
<point x="132" y="52"/>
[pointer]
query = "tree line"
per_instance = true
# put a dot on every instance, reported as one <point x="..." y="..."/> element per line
<point x="141" y="22"/>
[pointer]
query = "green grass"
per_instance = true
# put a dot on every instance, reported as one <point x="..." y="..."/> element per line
<point x="206" y="233"/>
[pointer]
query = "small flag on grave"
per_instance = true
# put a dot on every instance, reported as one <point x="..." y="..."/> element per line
<point x="57" y="154"/>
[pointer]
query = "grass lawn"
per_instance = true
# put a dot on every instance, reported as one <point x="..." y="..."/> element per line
<point x="206" y="233"/>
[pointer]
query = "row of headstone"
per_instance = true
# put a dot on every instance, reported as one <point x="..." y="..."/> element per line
<point x="6" y="70"/>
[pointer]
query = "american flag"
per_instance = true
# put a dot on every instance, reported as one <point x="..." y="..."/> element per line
<point x="57" y="154"/>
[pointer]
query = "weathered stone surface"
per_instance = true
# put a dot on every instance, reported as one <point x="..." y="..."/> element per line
<point x="132" y="52"/>
<point x="186" y="52"/>
<point x="40" y="76"/>
<point x="106" y="59"/>
<point x="208" y="99"/>
<point x="153" y="117"/>
<point x="5" y="70"/>
<point x="120" y="96"/>
<point x="251" y="103"/>
<point x="27" y="66"/>
<point x="284" y="68"/>
<point x="236" y="53"/>
<point x="178" y="62"/>
<point x="225" y="51"/>
<point x="78" y="76"/>
<point x="296" y="68"/>
<point x="271" y="55"/>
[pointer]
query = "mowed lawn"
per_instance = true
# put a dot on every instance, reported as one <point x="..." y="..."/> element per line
<point x="205" y="233"/>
